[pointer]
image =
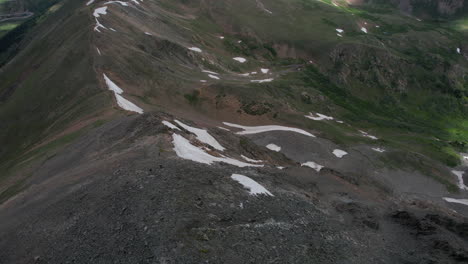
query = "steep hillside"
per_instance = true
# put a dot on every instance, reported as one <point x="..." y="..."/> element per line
<point x="353" y="113"/>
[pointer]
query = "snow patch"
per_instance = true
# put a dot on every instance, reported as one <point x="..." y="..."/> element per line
<point x="253" y="186"/>
<point x="261" y="81"/>
<point x="111" y="85"/>
<point x="264" y="70"/>
<point x="195" y="49"/>
<point x="213" y="76"/>
<point x="149" y="34"/>
<point x="318" y="117"/>
<point x="273" y="147"/>
<point x="459" y="201"/>
<point x="121" y="101"/>
<point x="312" y="165"/>
<point x="363" y="29"/>
<point x="98" y="51"/>
<point x="260" y="129"/>
<point x="170" y="125"/>
<point x="240" y="59"/>
<point x="89" y="2"/>
<point x="127" y="105"/>
<point x="100" y="11"/>
<point x="202" y="136"/>
<point x="460" y="183"/>
<point x="365" y="134"/>
<point x="458" y="51"/>
<point x="339" y="30"/>
<point x="185" y="150"/>
<point x="251" y="160"/>
<point x="339" y="153"/>
<point x="116" y="2"/>
<point x="381" y="150"/>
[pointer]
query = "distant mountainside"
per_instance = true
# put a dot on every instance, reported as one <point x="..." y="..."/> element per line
<point x="425" y="8"/>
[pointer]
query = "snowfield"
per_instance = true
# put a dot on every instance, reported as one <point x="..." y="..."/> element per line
<point x="127" y="105"/>
<point x="184" y="149"/>
<point x="459" y="201"/>
<point x="202" y="136"/>
<point x="260" y="129"/>
<point x="273" y="147"/>
<point x="339" y="153"/>
<point x="312" y="165"/>
<point x="100" y="11"/>
<point x="254" y="187"/>
<point x="121" y="101"/>
<point x="318" y="117"/>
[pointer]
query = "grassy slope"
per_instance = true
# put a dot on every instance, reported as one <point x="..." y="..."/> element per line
<point x="50" y="84"/>
<point x="428" y="117"/>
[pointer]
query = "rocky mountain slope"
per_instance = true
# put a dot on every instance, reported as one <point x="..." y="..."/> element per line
<point x="242" y="131"/>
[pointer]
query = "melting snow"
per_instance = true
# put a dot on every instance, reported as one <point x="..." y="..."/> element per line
<point x="251" y="160"/>
<point x="459" y="175"/>
<point x="213" y="76"/>
<point x="100" y="11"/>
<point x="363" y="29"/>
<point x="98" y="51"/>
<point x="273" y="147"/>
<point x="149" y="34"/>
<point x="90" y="2"/>
<point x="339" y="153"/>
<point x="170" y="125"/>
<point x="264" y="70"/>
<point x="185" y="150"/>
<point x="339" y="35"/>
<point x="117" y="2"/>
<point x="121" y="101"/>
<point x="223" y="128"/>
<point x="339" y="30"/>
<point x="98" y="25"/>
<point x="127" y="105"/>
<point x="318" y="117"/>
<point x="253" y="186"/>
<point x="221" y="37"/>
<point x="458" y="51"/>
<point x="260" y="129"/>
<point x="240" y="59"/>
<point x="205" y="71"/>
<point x="195" y="49"/>
<point x="113" y="29"/>
<point x="280" y="167"/>
<point x="459" y="201"/>
<point x="378" y="149"/>
<point x="111" y="85"/>
<point x="202" y="135"/>
<point x="365" y="134"/>
<point x="312" y="165"/>
<point x="262" y="81"/>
